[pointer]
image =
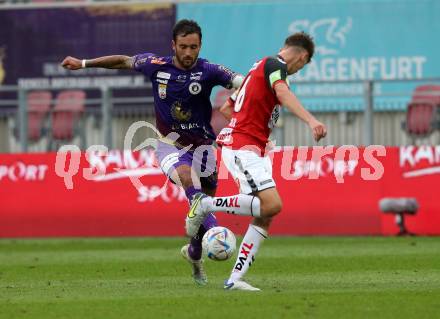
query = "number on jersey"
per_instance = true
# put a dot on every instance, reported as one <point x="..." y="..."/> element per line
<point x="240" y="97"/>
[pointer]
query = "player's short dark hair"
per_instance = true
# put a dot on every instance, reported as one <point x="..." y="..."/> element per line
<point x="302" y="40"/>
<point x="185" y="27"/>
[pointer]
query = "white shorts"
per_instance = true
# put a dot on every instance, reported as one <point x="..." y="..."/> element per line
<point x="252" y="173"/>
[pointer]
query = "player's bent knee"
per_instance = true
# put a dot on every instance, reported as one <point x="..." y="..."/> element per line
<point x="271" y="203"/>
<point x="272" y="208"/>
<point x="276" y="207"/>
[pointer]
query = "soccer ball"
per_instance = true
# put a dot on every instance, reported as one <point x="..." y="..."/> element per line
<point x="219" y="243"/>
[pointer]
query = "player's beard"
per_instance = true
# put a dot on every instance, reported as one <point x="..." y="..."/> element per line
<point x="186" y="62"/>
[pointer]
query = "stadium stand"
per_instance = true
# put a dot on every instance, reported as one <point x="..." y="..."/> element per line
<point x="66" y="116"/>
<point x="423" y="112"/>
<point x="39" y="107"/>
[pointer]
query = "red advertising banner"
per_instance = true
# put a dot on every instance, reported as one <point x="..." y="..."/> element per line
<point x="325" y="191"/>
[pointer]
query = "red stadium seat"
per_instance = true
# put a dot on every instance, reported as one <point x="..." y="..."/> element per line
<point x="420" y="117"/>
<point x="427" y="93"/>
<point x="67" y="112"/>
<point x="38" y="103"/>
<point x="38" y="108"/>
<point x="423" y="112"/>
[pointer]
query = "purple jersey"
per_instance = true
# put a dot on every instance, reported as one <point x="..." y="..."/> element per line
<point x="182" y="97"/>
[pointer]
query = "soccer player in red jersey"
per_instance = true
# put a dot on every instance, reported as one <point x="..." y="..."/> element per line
<point x="254" y="112"/>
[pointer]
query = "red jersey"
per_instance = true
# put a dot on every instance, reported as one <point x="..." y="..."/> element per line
<point x="256" y="107"/>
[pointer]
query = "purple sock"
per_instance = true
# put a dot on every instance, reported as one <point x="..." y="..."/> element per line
<point x="190" y="192"/>
<point x="195" y="247"/>
<point x="209" y="222"/>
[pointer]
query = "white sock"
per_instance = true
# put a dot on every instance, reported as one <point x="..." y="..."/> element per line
<point x="240" y="204"/>
<point x="248" y="249"/>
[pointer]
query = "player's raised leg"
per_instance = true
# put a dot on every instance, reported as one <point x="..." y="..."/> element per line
<point x="202" y="205"/>
<point x="253" y="173"/>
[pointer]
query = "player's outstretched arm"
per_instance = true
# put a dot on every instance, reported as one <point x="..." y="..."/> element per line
<point x="289" y="100"/>
<point x="107" y="62"/>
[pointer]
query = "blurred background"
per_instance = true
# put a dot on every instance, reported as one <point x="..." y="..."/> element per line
<point x="374" y="80"/>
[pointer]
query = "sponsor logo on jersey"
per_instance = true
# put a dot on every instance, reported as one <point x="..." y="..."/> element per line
<point x="181" y="78"/>
<point x="195" y="88"/>
<point x="225" y="136"/>
<point x="163" y="75"/>
<point x="185" y="126"/>
<point x="196" y="76"/>
<point x="162" y="81"/>
<point x="179" y="113"/>
<point x="162" y="88"/>
<point x="243" y="256"/>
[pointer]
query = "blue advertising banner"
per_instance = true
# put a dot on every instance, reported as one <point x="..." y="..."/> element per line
<point x="33" y="42"/>
<point x="355" y="40"/>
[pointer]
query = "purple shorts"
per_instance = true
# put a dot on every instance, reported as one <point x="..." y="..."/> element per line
<point x="203" y="160"/>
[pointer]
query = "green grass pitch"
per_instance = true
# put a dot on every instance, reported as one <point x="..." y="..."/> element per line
<point x="312" y="277"/>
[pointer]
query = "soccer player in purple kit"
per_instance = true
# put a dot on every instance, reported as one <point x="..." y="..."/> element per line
<point x="182" y="86"/>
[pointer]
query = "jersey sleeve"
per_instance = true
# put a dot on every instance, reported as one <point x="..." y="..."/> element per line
<point x="233" y="97"/>
<point x="221" y="75"/>
<point x="275" y="70"/>
<point x="146" y="63"/>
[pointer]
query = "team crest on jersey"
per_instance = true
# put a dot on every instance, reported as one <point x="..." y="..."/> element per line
<point x="179" y="113"/>
<point x="195" y="88"/>
<point x="162" y="90"/>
